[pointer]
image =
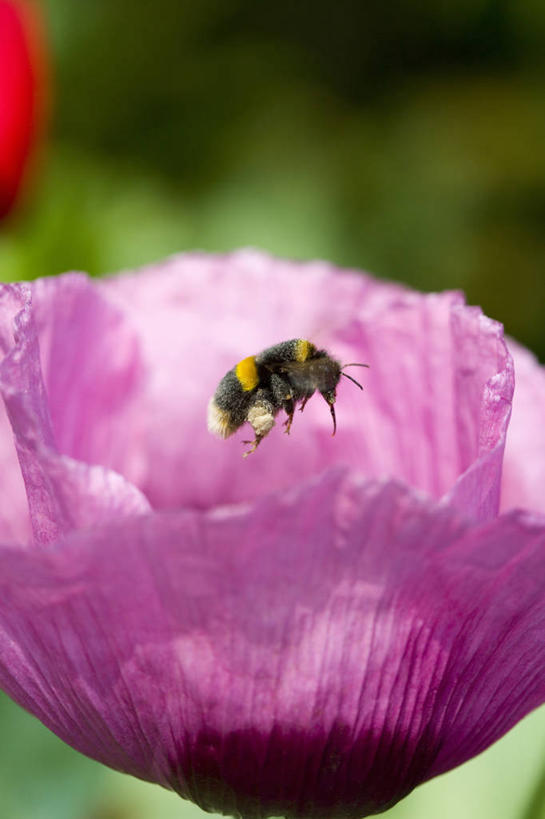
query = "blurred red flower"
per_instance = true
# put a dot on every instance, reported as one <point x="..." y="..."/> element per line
<point x="22" y="92"/>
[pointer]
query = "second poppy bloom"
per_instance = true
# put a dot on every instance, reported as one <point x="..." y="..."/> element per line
<point x="22" y="93"/>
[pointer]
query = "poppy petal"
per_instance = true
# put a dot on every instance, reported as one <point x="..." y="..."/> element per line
<point x="437" y="395"/>
<point x="62" y="493"/>
<point x="523" y="483"/>
<point x="320" y="652"/>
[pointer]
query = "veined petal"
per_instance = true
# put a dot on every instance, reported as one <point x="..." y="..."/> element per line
<point x="317" y="653"/>
<point x="437" y="394"/>
<point x="62" y="493"/>
<point x="523" y="482"/>
<point x="92" y="370"/>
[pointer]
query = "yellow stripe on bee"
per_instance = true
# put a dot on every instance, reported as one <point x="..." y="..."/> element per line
<point x="246" y="372"/>
<point x="303" y="349"/>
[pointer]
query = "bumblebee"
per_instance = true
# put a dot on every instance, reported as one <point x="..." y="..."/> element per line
<point x="279" y="378"/>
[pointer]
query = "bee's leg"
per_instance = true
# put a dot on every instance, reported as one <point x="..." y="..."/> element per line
<point x="253" y="445"/>
<point x="289" y="409"/>
<point x="280" y="390"/>
<point x="261" y="417"/>
<point x="282" y="397"/>
<point x="304" y="402"/>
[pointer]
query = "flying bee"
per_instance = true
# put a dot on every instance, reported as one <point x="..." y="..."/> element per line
<point x="279" y="378"/>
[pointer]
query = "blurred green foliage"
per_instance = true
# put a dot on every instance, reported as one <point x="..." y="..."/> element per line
<point x="406" y="139"/>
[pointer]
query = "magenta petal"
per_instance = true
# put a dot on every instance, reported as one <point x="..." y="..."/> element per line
<point x="362" y="621"/>
<point x="483" y="417"/>
<point x="437" y="394"/>
<point x="317" y="654"/>
<point x="62" y="493"/>
<point x="14" y="520"/>
<point x="438" y="402"/>
<point x="523" y="483"/>
<point x="92" y="371"/>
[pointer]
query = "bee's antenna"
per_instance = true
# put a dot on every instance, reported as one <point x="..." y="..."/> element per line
<point x="357" y="383"/>
<point x="354" y="364"/>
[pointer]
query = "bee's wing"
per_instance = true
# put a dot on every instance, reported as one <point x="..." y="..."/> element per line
<point x="297" y="371"/>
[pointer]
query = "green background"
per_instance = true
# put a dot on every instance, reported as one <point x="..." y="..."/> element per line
<point x="405" y="139"/>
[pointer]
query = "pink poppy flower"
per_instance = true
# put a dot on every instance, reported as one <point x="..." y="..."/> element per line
<point x="309" y="632"/>
<point x="22" y="91"/>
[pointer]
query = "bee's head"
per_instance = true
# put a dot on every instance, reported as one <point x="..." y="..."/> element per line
<point x="335" y="371"/>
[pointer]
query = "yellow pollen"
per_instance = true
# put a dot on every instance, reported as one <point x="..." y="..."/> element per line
<point x="303" y="349"/>
<point x="246" y="372"/>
